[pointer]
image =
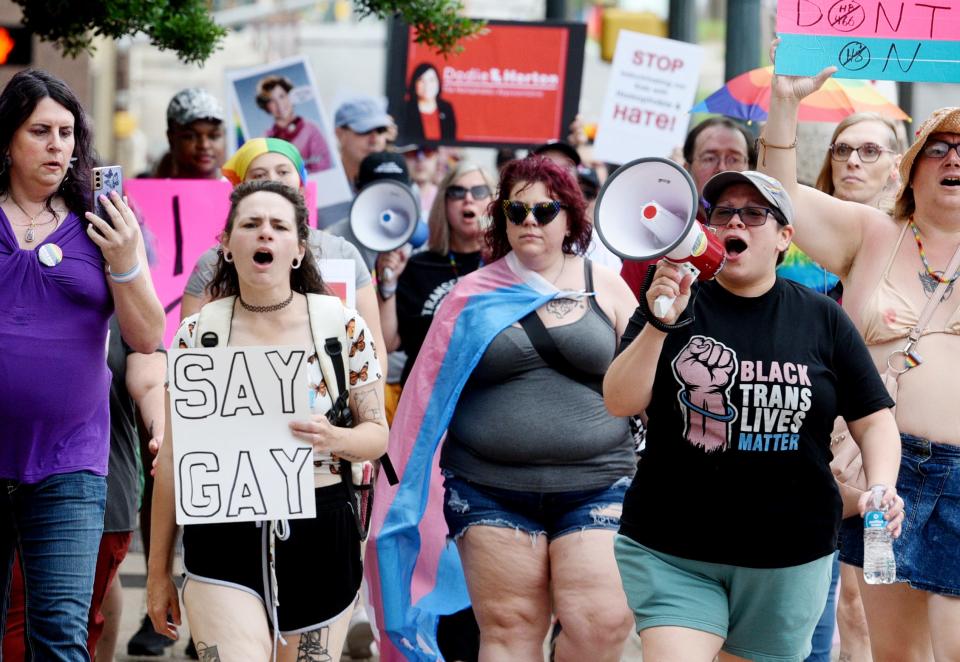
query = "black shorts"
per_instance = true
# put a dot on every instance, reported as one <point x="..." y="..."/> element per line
<point x="318" y="566"/>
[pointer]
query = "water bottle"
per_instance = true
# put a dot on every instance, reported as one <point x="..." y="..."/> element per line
<point x="879" y="566"/>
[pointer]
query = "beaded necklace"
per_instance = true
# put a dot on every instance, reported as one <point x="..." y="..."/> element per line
<point x="935" y="275"/>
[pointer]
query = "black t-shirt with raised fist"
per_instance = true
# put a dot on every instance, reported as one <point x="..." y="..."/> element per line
<point x="736" y="467"/>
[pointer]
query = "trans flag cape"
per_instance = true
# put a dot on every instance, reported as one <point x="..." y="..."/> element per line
<point x="413" y="574"/>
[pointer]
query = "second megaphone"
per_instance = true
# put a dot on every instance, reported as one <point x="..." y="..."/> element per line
<point x="648" y="209"/>
<point x="385" y="215"/>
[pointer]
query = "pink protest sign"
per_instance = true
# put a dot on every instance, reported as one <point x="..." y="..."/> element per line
<point x="890" y="19"/>
<point x="185" y="217"/>
<point x="872" y="39"/>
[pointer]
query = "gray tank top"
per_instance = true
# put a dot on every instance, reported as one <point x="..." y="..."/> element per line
<point x="521" y="425"/>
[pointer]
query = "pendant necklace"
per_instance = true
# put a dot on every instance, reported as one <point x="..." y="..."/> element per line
<point x="28" y="236"/>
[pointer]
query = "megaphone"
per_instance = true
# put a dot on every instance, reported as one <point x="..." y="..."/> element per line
<point x="648" y="209"/>
<point x="385" y="215"/>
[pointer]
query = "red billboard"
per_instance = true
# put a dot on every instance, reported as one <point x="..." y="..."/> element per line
<point x="517" y="84"/>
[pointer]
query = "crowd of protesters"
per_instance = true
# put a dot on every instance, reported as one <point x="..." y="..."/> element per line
<point x="596" y="480"/>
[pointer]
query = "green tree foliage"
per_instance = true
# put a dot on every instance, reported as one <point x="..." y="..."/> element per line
<point x="438" y="23"/>
<point x="184" y="26"/>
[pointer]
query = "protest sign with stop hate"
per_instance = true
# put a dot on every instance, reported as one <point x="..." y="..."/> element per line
<point x="234" y="457"/>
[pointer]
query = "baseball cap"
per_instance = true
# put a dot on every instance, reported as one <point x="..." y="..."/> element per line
<point x="193" y="104"/>
<point x="771" y="189"/>
<point x="383" y="165"/>
<point x="564" y="148"/>
<point x="362" y="114"/>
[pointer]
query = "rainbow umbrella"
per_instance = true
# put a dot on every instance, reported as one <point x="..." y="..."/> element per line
<point x="747" y="97"/>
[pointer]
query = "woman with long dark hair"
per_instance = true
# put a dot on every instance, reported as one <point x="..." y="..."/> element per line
<point x="64" y="272"/>
<point x="267" y="268"/>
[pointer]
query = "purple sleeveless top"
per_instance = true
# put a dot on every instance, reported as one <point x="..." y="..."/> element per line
<point x="54" y="380"/>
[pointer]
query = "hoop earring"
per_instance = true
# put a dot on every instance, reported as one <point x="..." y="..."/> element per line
<point x="228" y="257"/>
<point x="296" y="263"/>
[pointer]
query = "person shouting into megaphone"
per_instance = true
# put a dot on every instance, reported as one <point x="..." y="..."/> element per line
<point x="741" y="381"/>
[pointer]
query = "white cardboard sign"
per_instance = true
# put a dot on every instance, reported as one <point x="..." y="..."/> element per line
<point x="234" y="457"/>
<point x="651" y="90"/>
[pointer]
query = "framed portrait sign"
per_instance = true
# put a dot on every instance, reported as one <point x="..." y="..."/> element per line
<point x="517" y="84"/>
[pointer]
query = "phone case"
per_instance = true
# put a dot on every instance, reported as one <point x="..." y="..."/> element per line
<point x="105" y="180"/>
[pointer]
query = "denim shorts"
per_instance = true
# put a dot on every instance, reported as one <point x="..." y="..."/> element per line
<point x="762" y="614"/>
<point x="553" y="514"/>
<point x="926" y="551"/>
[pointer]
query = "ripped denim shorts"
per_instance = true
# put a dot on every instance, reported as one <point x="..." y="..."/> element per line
<point x="554" y="514"/>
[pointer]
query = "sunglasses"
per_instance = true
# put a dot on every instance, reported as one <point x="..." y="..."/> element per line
<point x="543" y="212"/>
<point x="479" y="192"/>
<point x="749" y="216"/>
<point x="938" y="149"/>
<point x="868" y="152"/>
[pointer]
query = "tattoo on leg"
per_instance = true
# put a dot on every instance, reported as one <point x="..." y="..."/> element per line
<point x="314" y="646"/>
<point x="207" y="652"/>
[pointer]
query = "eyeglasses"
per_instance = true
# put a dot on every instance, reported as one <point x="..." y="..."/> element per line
<point x="543" y="212"/>
<point x="868" y="152"/>
<point x="750" y="216"/>
<point x="939" y="149"/>
<point x="479" y="192"/>
<point x="731" y="161"/>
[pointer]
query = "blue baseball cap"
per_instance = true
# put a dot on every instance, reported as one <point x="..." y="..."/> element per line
<point x="362" y="114"/>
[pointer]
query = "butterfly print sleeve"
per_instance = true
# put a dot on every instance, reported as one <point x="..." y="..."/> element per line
<point x="364" y="366"/>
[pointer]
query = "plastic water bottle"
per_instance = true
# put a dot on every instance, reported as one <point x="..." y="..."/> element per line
<point x="879" y="566"/>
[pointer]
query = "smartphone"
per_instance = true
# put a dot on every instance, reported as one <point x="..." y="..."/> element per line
<point x="105" y="180"/>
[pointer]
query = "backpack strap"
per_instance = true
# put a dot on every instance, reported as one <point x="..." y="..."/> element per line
<point x="332" y="345"/>
<point x="213" y="323"/>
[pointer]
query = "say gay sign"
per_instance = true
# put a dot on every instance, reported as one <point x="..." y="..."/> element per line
<point x="234" y="457"/>
<point x="905" y="40"/>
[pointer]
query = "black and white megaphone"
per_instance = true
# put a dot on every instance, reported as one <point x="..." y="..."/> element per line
<point x="648" y="209"/>
<point x="385" y="215"/>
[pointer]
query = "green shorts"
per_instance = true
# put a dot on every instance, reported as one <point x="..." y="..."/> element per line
<point x="763" y="614"/>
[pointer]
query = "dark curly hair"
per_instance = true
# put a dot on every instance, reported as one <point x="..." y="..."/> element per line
<point x="17" y="102"/>
<point x="305" y="279"/>
<point x="560" y="184"/>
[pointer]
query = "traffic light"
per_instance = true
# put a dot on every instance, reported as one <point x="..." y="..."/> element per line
<point x="16" y="45"/>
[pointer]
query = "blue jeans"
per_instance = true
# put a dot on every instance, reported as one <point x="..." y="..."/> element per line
<point x="823" y="635"/>
<point x="56" y="526"/>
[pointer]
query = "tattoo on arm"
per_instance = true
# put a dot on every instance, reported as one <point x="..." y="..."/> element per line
<point x="560" y="308"/>
<point x="367" y="402"/>
<point x="207" y="652"/>
<point x="314" y="646"/>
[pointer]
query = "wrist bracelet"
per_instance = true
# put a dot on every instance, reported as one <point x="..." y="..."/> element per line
<point x="730" y="414"/>
<point x="126" y="276"/>
<point x="763" y="143"/>
<point x="386" y="292"/>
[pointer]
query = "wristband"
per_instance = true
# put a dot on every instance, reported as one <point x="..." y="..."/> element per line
<point x="386" y="291"/>
<point x="763" y="143"/>
<point x="126" y="276"/>
<point x="723" y="418"/>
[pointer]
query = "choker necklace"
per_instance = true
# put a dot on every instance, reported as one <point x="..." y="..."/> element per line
<point x="28" y="235"/>
<point x="266" y="309"/>
<point x="937" y="276"/>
